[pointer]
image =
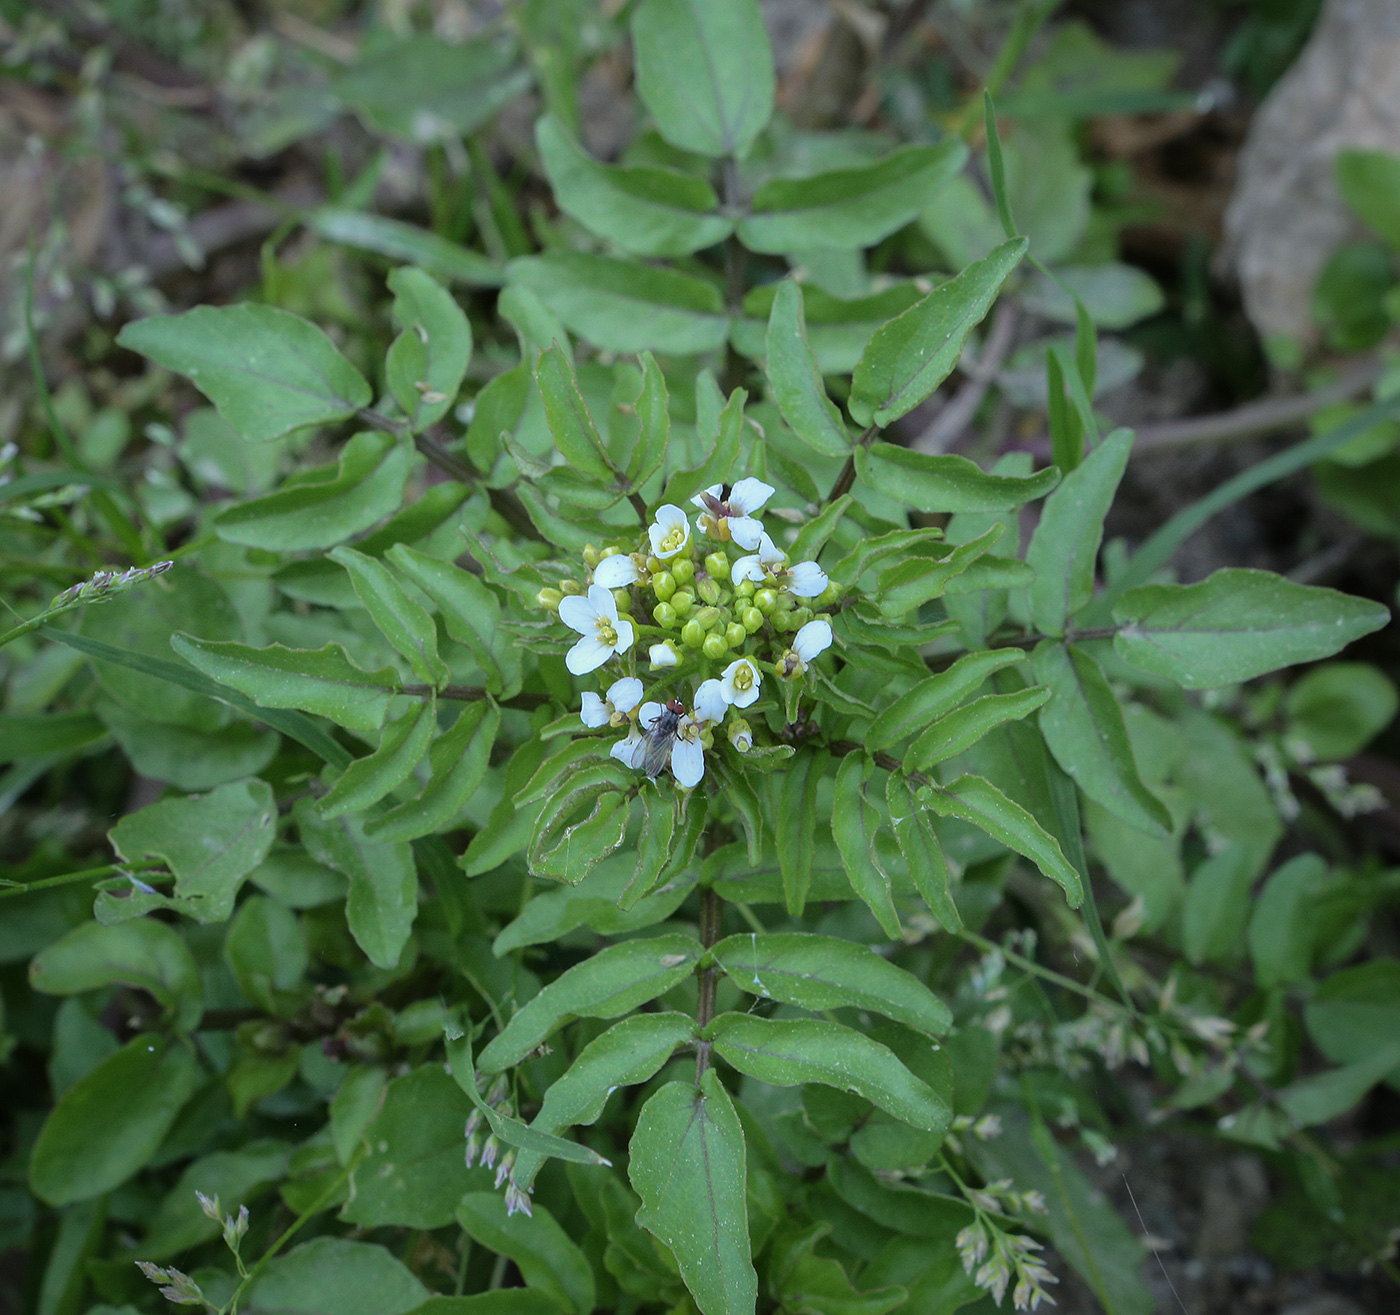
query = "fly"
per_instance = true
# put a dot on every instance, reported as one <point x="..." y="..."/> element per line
<point x="660" y="738"/>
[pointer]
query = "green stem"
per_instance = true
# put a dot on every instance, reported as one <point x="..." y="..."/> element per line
<point x="73" y="878"/>
<point x="711" y="919"/>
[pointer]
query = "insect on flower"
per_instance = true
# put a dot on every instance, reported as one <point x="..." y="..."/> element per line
<point x="660" y="739"/>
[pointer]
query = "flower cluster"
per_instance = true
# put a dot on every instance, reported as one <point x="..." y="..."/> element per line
<point x="105" y="585"/>
<point x="994" y="1256"/>
<point x="715" y="602"/>
<point x="489" y="1153"/>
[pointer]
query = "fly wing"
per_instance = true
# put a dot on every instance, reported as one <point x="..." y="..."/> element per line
<point x="658" y="751"/>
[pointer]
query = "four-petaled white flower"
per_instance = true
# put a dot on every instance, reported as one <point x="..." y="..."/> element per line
<point x="604" y="632"/>
<point x="808" y="644"/>
<point x="733" y="517"/>
<point x="669" y="532"/>
<point x="769" y="566"/>
<point x="740" y="683"/>
<point x="687" y="751"/>
<point x="623" y="696"/>
<point x="616" y="572"/>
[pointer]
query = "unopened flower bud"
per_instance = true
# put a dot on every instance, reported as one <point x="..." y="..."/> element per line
<point x="549" y="598"/>
<point x="740" y="734"/>
<point x="714" y="647"/>
<point x="663" y="585"/>
<point x="735" y="634"/>
<point x="692" y="634"/>
<point x="622" y="598"/>
<point x="683" y="600"/>
<point x="709" y="591"/>
<point x="655" y="566"/>
<point x="717" y="565"/>
<point x="745" y="588"/>
<point x="752" y="619"/>
<point x="665" y="616"/>
<point x="591" y="556"/>
<point x="707" y="618"/>
<point x="766" y="600"/>
<point x="828" y="596"/>
<point x="571" y="587"/>
<point x="663" y="654"/>
<point x="683" y="569"/>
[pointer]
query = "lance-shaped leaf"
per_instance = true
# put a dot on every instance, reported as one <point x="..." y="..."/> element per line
<point x="795" y="380"/>
<point x="789" y="1051"/>
<point x="687" y="1163"/>
<point x="399" y="618"/>
<point x="1236" y="625"/>
<point x="320" y="680"/>
<point x="853" y="823"/>
<point x="978" y="802"/>
<point x="654" y="422"/>
<point x="1065" y="546"/>
<point x="409" y="243"/>
<point x="916" y="351"/>
<point x="854" y="207"/>
<point x="946" y="483"/>
<point x="1084" y="729"/>
<point x="383" y="898"/>
<point x="142" y="953"/>
<point x="959" y="730"/>
<point x="549" y="1260"/>
<point x="426" y="362"/>
<point x="628" y="1053"/>
<point x="937" y="694"/>
<point x="367" y="780"/>
<point x="648" y="211"/>
<point x="575" y="434"/>
<point x="613" y="982"/>
<point x="814" y="535"/>
<point x="795" y="826"/>
<point x="923" y="854"/>
<point x="366" y="486"/>
<point x="825" y="972"/>
<point x="919" y="579"/>
<point x="728" y="433"/>
<point x="266" y="370"/>
<point x="459" y="760"/>
<point x="705" y="71"/>
<point x="622" y="306"/>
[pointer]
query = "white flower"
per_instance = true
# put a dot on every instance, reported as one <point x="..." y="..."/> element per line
<point x="733" y="517"/>
<point x="769" y="566"/>
<point x="687" y="751"/>
<point x="663" y="654"/>
<point x="623" y="696"/>
<point x="669" y="532"/>
<point x="604" y="633"/>
<point x="741" y="682"/>
<point x="710" y="704"/>
<point x="808" y="644"/>
<point x="616" y="572"/>
<point x="632" y="751"/>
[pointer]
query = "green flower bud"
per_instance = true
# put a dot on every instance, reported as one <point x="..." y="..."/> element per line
<point x="745" y="588"/>
<point x="655" y="565"/>
<point x="549" y="598"/>
<point x="735" y="634"/>
<point x="752" y="619"/>
<point x="571" y="586"/>
<point x="800" y="617"/>
<point x="591" y="556"/>
<point x="692" y="634"/>
<point x="622" y="598"/>
<point x="786" y="602"/>
<point x="707" y="617"/>
<point x="663" y="585"/>
<point x="766" y="600"/>
<point x="782" y="622"/>
<point x="683" y="569"/>
<point x="829" y="595"/>
<point x="683" y="600"/>
<point x="717" y="564"/>
<point x="714" y="647"/>
<point x="708" y="590"/>
<point x="665" y="616"/>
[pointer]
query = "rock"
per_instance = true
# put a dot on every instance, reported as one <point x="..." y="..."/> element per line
<point x="1286" y="216"/>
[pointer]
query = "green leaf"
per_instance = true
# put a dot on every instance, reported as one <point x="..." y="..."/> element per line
<point x="729" y="435"/>
<point x="1337" y="709"/>
<point x="1325" y="1096"/>
<point x="365" y="487"/>
<point x="825" y="972"/>
<point x="613" y="982"/>
<point x="235" y="1177"/>
<point x="853" y="824"/>
<point x="180" y="755"/>
<point x="383" y="896"/>
<point x="265" y="949"/>
<point x="427" y="361"/>
<point x="1216" y="908"/>
<point x="1283" y="926"/>
<point x="575" y="434"/>
<point x="1084" y="730"/>
<point x="323" y="680"/>
<point x="548" y="1259"/>
<point x="367" y="780"/>
<point x="957" y="731"/>
<point x="334" y="1276"/>
<point x="142" y="953"/>
<point x="916" y="351"/>
<point x="978" y="802"/>
<point x="936" y="695"/>
<point x="654" y="846"/>
<point x="654" y="420"/>
<point x="407" y="243"/>
<point x="1356" y="1012"/>
<point x="647" y="211"/>
<point x="944" y="482"/>
<point x="581" y="824"/>
<point x="705" y="72"/>
<point x="459" y="759"/>
<point x="1235" y="625"/>
<point x="622" y="306"/>
<point x="108" y="1124"/>
<point x="210" y="842"/>
<point x="795" y="826"/>
<point x="401" y="620"/>
<point x="267" y="371"/>
<point x="353" y="1108"/>
<point x="1369" y="182"/>
<point x="413" y="1175"/>
<point x="1114" y="295"/>
<point x="497" y="1301"/>
<point x="923" y="854"/>
<point x="687" y="1162"/>
<point x="790" y="1051"/>
<point x="918" y="579"/>
<point x="1064" y="549"/>
<point x="795" y="381"/>
<point x="42" y="734"/>
<point x="855" y="207"/>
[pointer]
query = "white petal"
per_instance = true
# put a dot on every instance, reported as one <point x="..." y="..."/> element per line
<point x="741" y="698"/>
<point x="710" y="703"/>
<point x="699" y="499"/>
<point x="813" y="639"/>
<point x="631" y="752"/>
<point x="687" y="762"/>
<point x="649" y="713"/>
<point x="663" y="654"/>
<point x="806" y="580"/>
<point x="749" y="495"/>
<point x="604" y="604"/>
<point x="745" y="531"/>
<point x="578" y="613"/>
<point x="669" y="517"/>
<point x="625" y="636"/>
<point x="616" y="572"/>
<point x="587" y="655"/>
<point x="768" y="551"/>
<point x="594" y="712"/>
<point x="746" y="568"/>
<point x="625" y="694"/>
